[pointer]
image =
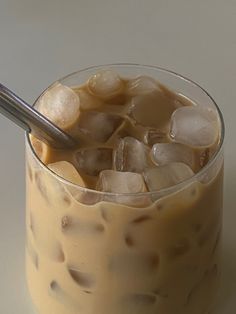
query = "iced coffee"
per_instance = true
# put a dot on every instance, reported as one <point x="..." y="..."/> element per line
<point x="129" y="220"/>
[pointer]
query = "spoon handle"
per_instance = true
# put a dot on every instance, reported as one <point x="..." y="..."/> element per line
<point x="32" y="121"/>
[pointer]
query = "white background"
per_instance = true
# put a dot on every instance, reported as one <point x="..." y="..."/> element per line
<point x="41" y="41"/>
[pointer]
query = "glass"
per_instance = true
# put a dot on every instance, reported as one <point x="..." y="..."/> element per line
<point x="157" y="252"/>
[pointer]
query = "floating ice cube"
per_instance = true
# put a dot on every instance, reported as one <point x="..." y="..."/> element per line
<point x="120" y="99"/>
<point x="32" y="253"/>
<point x="120" y="182"/>
<point x="128" y="129"/>
<point x="141" y="85"/>
<point x="153" y="136"/>
<point x="61" y="105"/>
<point x="178" y="249"/>
<point x="72" y="225"/>
<point x="113" y="109"/>
<point x="105" y="84"/>
<point x="165" y="153"/>
<point x="131" y="155"/>
<point x="85" y="280"/>
<point x="140" y="300"/>
<point x="136" y="263"/>
<point x="152" y="110"/>
<point x="63" y="297"/>
<point x="89" y="197"/>
<point x="29" y="171"/>
<point x="87" y="101"/>
<point x="140" y="303"/>
<point x="99" y="126"/>
<point x="55" y="253"/>
<point x="51" y="189"/>
<point x="67" y="171"/>
<point x="165" y="176"/>
<point x="41" y="149"/>
<point x="213" y="170"/>
<point x="195" y="126"/>
<point x="93" y="160"/>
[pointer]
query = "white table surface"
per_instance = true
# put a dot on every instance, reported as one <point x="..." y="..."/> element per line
<point x="41" y="41"/>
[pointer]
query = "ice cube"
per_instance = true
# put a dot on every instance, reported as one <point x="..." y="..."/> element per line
<point x="61" y="105"/>
<point x="39" y="179"/>
<point x="213" y="170"/>
<point x="105" y="84"/>
<point x="113" y="109"/>
<point x="67" y="171"/>
<point x="165" y="153"/>
<point x="135" y="263"/>
<point x="120" y="182"/>
<point x="127" y="129"/>
<point x="32" y="253"/>
<point x="41" y="149"/>
<point x="71" y="225"/>
<point x="131" y="155"/>
<point x="165" y="176"/>
<point x="29" y="171"/>
<point x="93" y="160"/>
<point x="135" y="301"/>
<point x="55" y="253"/>
<point x="85" y="280"/>
<point x="99" y="126"/>
<point x="31" y="223"/>
<point x="52" y="189"/>
<point x="178" y="249"/>
<point x="118" y="100"/>
<point x="87" y="101"/>
<point x="141" y="85"/>
<point x="63" y="297"/>
<point x="153" y="136"/>
<point x="88" y="197"/>
<point x="139" y="302"/>
<point x="195" y="126"/>
<point x="152" y="110"/>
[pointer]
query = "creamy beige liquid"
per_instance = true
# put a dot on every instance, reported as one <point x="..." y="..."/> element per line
<point x="153" y="255"/>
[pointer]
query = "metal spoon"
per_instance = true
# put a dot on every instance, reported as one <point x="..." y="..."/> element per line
<point x="25" y="116"/>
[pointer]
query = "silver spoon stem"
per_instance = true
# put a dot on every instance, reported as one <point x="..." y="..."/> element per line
<point x="32" y="121"/>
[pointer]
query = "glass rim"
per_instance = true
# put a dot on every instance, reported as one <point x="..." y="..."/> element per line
<point x="165" y="191"/>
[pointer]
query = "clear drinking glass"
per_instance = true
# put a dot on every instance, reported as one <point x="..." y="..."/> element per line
<point x="157" y="252"/>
